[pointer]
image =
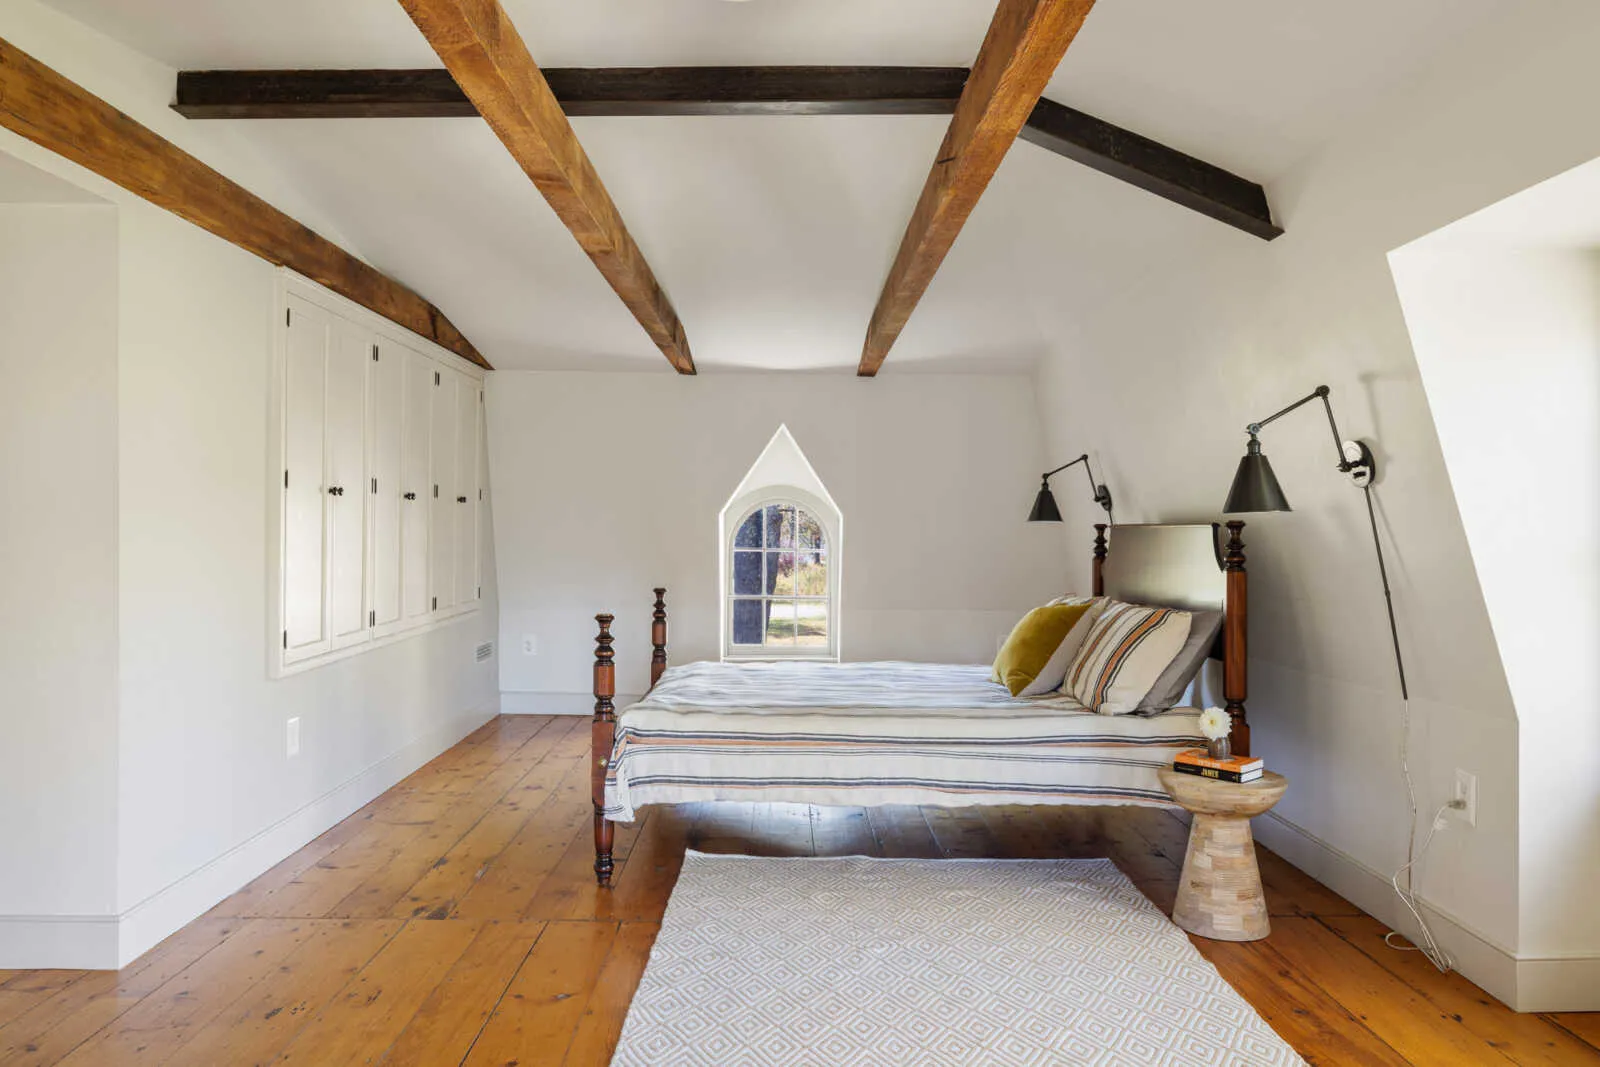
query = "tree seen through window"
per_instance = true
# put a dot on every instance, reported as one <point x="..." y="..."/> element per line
<point x="779" y="576"/>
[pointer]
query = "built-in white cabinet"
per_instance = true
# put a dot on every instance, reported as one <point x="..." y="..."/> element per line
<point x="380" y="441"/>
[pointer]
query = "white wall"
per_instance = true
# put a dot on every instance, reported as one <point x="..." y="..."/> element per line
<point x="203" y="758"/>
<point x="1224" y="330"/>
<point x="609" y="484"/>
<point x="189" y="785"/>
<point x="58" y="566"/>
<point x="1508" y="341"/>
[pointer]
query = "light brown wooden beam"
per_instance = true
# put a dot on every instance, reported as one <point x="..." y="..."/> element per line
<point x="1025" y="42"/>
<point x="487" y="57"/>
<point x="62" y="116"/>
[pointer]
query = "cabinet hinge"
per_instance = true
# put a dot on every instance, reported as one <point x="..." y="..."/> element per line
<point x="372" y="618"/>
<point x="286" y="639"/>
<point x="480" y="593"/>
<point x="374" y="353"/>
<point x="436" y="492"/>
<point x="374" y="485"/>
<point x="435" y="603"/>
<point x="480" y="494"/>
<point x="288" y="316"/>
<point x="435" y="377"/>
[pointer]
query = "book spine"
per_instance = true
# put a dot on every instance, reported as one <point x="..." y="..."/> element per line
<point x="1197" y="758"/>
<point x="1213" y="772"/>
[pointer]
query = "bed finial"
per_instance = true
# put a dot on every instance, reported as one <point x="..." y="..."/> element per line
<point x="1235" y="634"/>
<point x="603" y="735"/>
<point x="658" y="637"/>
<point x="1099" y="586"/>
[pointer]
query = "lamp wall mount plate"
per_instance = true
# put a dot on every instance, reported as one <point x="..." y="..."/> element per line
<point x="1359" y="463"/>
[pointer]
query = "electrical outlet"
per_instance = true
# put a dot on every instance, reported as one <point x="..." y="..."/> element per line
<point x="294" y="737"/>
<point x="1466" y="795"/>
<point x="530" y="645"/>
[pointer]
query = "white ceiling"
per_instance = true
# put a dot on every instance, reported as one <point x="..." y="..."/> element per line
<point x="772" y="235"/>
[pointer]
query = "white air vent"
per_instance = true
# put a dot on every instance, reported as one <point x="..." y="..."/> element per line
<point x="485" y="651"/>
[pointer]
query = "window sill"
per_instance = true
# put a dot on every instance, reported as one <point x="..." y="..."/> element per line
<point x="780" y="657"/>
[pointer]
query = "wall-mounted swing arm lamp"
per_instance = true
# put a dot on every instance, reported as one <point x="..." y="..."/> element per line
<point x="1256" y="488"/>
<point x="1044" y="505"/>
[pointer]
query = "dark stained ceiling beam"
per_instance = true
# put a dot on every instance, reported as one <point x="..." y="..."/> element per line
<point x="582" y="91"/>
<point x="623" y="91"/>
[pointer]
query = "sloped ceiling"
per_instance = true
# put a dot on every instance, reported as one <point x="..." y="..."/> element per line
<point x="773" y="234"/>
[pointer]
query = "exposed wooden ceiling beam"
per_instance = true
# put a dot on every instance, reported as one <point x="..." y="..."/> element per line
<point x="484" y="53"/>
<point x="335" y="94"/>
<point x="62" y="116"/>
<point x="1152" y="167"/>
<point x="1025" y="42"/>
<point x="582" y="91"/>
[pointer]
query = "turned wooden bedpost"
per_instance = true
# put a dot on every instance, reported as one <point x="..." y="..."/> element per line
<point x="1235" y="639"/>
<point x="1099" y="586"/>
<point x="604" y="731"/>
<point x="658" y="637"/>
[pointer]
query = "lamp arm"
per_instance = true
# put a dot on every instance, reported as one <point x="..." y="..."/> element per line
<point x="1084" y="459"/>
<point x="1098" y="492"/>
<point x="1320" y="392"/>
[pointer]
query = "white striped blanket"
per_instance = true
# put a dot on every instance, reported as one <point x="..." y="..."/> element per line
<point x="866" y="734"/>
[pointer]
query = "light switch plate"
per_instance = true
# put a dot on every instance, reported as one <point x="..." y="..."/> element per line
<point x="294" y="737"/>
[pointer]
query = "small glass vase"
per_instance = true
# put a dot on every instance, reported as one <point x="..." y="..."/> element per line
<point x="1221" y="748"/>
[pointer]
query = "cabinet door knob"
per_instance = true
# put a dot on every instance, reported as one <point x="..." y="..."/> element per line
<point x="461" y="500"/>
<point x="411" y="496"/>
<point x="336" y="490"/>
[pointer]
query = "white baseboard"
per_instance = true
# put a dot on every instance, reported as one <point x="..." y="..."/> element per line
<point x="75" y="942"/>
<point x="1522" y="983"/>
<point x="524" y="703"/>
<point x="103" y="942"/>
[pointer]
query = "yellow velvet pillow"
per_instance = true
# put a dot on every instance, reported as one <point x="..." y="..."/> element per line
<point x="1032" y="642"/>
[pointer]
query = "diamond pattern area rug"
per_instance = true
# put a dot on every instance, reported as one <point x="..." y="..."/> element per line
<point x="893" y="963"/>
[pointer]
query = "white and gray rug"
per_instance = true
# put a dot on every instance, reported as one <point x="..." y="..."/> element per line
<point x="891" y="963"/>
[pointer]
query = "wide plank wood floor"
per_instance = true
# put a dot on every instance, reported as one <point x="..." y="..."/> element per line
<point x="454" y="920"/>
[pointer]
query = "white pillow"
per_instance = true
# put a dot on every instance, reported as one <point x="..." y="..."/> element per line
<point x="1123" y="655"/>
<point x="1055" y="668"/>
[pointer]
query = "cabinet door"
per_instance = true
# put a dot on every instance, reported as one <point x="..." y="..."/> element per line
<point x="346" y="459"/>
<point x="386" y="389"/>
<point x="305" y="501"/>
<point x="469" y="401"/>
<point x="416" y="488"/>
<point x="446" y="441"/>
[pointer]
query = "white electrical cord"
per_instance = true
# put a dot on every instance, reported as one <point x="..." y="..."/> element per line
<point x="1426" y="944"/>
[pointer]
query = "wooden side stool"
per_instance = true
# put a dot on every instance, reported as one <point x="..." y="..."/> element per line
<point x="1219" y="892"/>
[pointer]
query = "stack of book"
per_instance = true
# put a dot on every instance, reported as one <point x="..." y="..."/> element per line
<point x="1233" y="769"/>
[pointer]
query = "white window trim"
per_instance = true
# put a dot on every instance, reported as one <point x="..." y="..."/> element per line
<point x="832" y="524"/>
<point x="286" y="282"/>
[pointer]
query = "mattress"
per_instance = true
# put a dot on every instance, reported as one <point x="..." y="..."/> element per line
<point x="867" y="734"/>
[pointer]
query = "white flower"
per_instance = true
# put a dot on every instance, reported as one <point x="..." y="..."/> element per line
<point x="1215" y="723"/>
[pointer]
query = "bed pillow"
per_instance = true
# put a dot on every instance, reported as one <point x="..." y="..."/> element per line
<point x="1054" y="671"/>
<point x="1123" y="655"/>
<point x="1203" y="627"/>
<point x="1032" y="642"/>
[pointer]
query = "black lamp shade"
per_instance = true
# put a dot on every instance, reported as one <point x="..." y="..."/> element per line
<point x="1044" y="506"/>
<point x="1255" y="487"/>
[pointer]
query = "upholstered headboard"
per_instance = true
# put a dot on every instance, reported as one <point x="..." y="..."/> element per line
<point x="1190" y="567"/>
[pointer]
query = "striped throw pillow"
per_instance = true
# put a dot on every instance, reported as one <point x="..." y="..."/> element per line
<point x="1123" y="655"/>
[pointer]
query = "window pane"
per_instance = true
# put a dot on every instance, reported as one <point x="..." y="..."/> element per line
<point x="811" y="574"/>
<point x="747" y="621"/>
<point x="810" y="531"/>
<point x="780" y="573"/>
<point x="780" y="526"/>
<point x="747" y="573"/>
<point x="780" y="622"/>
<point x="749" y="535"/>
<point x="812" y="623"/>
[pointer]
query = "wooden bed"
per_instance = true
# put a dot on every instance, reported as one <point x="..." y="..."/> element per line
<point x="1188" y="567"/>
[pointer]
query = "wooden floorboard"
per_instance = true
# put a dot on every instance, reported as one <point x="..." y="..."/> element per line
<point x="455" y="920"/>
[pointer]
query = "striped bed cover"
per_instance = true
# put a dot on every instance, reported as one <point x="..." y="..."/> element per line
<point x="867" y="734"/>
